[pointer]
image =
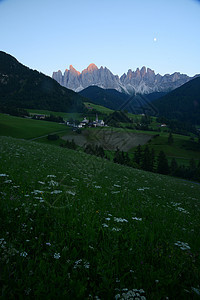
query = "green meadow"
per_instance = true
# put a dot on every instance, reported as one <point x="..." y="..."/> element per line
<point x="27" y="128"/>
<point x="102" y="109"/>
<point x="75" y="226"/>
<point x="65" y="116"/>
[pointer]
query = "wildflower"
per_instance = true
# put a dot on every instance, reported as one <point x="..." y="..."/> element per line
<point x="104" y="225"/>
<point x="53" y="183"/>
<point x="197" y="291"/>
<point x="23" y="254"/>
<point x="76" y="265"/>
<point x="116" y="229"/>
<point x="3" y="175"/>
<point x="120" y="220"/>
<point x="51" y="176"/>
<point x="56" y="192"/>
<point x="48" y="244"/>
<point x="56" y="255"/>
<point x="37" y="192"/>
<point x="86" y="265"/>
<point x="135" y="218"/>
<point x="182" y="210"/>
<point x="27" y="291"/>
<point x="71" y="193"/>
<point x="182" y="246"/>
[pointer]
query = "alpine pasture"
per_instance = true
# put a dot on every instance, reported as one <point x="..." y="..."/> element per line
<point x="75" y="226"/>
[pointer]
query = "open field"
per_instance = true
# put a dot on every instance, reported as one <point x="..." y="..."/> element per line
<point x="75" y="226"/>
<point x="102" y="109"/>
<point x="109" y="138"/>
<point x="183" y="149"/>
<point x="27" y="128"/>
<point x="65" y="116"/>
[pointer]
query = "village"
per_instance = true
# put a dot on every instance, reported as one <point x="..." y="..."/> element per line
<point x="87" y="123"/>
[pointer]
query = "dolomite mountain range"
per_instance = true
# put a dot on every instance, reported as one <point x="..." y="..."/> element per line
<point x="142" y="81"/>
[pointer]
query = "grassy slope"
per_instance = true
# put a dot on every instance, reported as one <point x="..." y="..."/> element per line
<point x="100" y="108"/>
<point x="183" y="149"/>
<point x="65" y="116"/>
<point x="27" y="128"/>
<point x="76" y="210"/>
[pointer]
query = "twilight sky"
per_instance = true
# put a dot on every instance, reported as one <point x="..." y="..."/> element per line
<point x="49" y="35"/>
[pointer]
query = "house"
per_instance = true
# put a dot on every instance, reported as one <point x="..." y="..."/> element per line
<point x="98" y="122"/>
<point x="84" y="122"/>
<point x="39" y="117"/>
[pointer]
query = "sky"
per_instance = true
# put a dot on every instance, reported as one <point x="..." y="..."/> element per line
<point x="49" y="35"/>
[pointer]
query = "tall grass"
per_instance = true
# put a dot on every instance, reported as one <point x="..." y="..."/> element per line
<point x="74" y="226"/>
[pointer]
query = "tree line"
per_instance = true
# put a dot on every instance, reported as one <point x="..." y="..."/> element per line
<point x="145" y="159"/>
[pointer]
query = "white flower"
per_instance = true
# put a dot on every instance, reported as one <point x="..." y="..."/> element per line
<point x="138" y="219"/>
<point x="182" y="246"/>
<point x="104" y="225"/>
<point x="87" y="265"/>
<point x="116" y="229"/>
<point x="56" y="192"/>
<point x="197" y="291"/>
<point x="53" y="183"/>
<point x="23" y="254"/>
<point x="37" y="192"/>
<point x="49" y="244"/>
<point x="97" y="187"/>
<point x="3" y="175"/>
<point x="56" y="255"/>
<point x="8" y="181"/>
<point x="120" y="220"/>
<point x="71" y="193"/>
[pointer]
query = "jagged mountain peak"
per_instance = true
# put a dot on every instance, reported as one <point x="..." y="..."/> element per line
<point x="92" y="67"/>
<point x="72" y="69"/>
<point x="142" y="80"/>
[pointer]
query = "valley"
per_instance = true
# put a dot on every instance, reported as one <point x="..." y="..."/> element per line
<point x="98" y="203"/>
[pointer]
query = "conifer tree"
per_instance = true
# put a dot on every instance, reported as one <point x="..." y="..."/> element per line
<point x="138" y="155"/>
<point x="173" y="166"/>
<point x="152" y="160"/>
<point x="127" y="159"/>
<point x="162" y="167"/>
<point x="146" y="159"/>
<point x="192" y="164"/>
<point x="170" y="139"/>
<point x="116" y="158"/>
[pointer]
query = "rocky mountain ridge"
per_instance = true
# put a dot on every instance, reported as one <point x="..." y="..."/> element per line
<point x="142" y="81"/>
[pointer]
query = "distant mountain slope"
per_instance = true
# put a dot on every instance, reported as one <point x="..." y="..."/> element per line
<point x="183" y="103"/>
<point x="142" y="81"/>
<point x="23" y="87"/>
<point x="115" y="100"/>
<point x="109" y="98"/>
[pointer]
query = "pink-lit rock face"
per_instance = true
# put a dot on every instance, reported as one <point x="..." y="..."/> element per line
<point x="142" y="80"/>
